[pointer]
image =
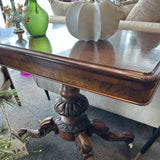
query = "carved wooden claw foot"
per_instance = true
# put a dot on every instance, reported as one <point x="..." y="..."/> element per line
<point x="128" y="137"/>
<point x="47" y="125"/>
<point x="100" y="128"/>
<point x="83" y="142"/>
<point x="29" y="132"/>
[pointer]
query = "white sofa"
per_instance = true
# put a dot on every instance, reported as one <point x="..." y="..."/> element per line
<point x="145" y="114"/>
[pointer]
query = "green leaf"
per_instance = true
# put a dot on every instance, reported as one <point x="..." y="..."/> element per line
<point x="3" y="129"/>
<point x="6" y="151"/>
<point x="6" y="96"/>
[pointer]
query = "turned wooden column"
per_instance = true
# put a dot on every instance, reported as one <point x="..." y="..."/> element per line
<point x="71" y="106"/>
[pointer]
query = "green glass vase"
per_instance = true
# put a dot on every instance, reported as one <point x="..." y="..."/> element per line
<point x="35" y="19"/>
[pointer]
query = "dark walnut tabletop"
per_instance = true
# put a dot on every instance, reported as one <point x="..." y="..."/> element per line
<point x="126" y="66"/>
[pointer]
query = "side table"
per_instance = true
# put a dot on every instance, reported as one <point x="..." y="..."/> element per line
<point x="127" y="68"/>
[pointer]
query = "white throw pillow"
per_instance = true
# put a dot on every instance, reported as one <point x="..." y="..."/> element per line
<point x="124" y="11"/>
<point x="145" y="10"/>
<point x="59" y="8"/>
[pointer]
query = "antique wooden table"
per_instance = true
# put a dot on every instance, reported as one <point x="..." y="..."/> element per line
<point x="125" y="67"/>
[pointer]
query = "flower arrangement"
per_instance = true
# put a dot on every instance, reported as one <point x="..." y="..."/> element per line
<point x="13" y="147"/>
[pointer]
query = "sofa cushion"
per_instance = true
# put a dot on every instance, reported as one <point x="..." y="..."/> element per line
<point x="146" y="11"/>
<point x="124" y="11"/>
<point x="59" y="8"/>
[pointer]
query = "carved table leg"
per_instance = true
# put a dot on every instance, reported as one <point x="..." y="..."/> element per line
<point x="74" y="125"/>
<point x="100" y="128"/>
<point x="47" y="125"/>
<point x="71" y="107"/>
<point x="84" y="145"/>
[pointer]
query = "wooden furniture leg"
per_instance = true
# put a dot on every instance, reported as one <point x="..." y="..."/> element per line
<point x="84" y="145"/>
<point x="74" y="125"/>
<point x="148" y="144"/>
<point x="47" y="94"/>
<point x="47" y="125"/>
<point x="102" y="130"/>
<point x="9" y="83"/>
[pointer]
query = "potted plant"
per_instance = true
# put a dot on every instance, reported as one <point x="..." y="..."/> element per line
<point x="13" y="147"/>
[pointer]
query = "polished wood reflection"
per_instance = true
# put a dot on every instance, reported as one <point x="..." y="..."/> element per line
<point x="94" y="52"/>
<point x="125" y="67"/>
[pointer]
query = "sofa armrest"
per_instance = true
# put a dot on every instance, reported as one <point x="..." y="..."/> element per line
<point x="123" y="25"/>
<point x="140" y="26"/>
<point x="57" y="19"/>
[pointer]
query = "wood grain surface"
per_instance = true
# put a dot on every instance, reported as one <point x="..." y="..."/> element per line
<point x="125" y="67"/>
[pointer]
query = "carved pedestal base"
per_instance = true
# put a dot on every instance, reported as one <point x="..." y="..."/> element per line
<point x="73" y="124"/>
